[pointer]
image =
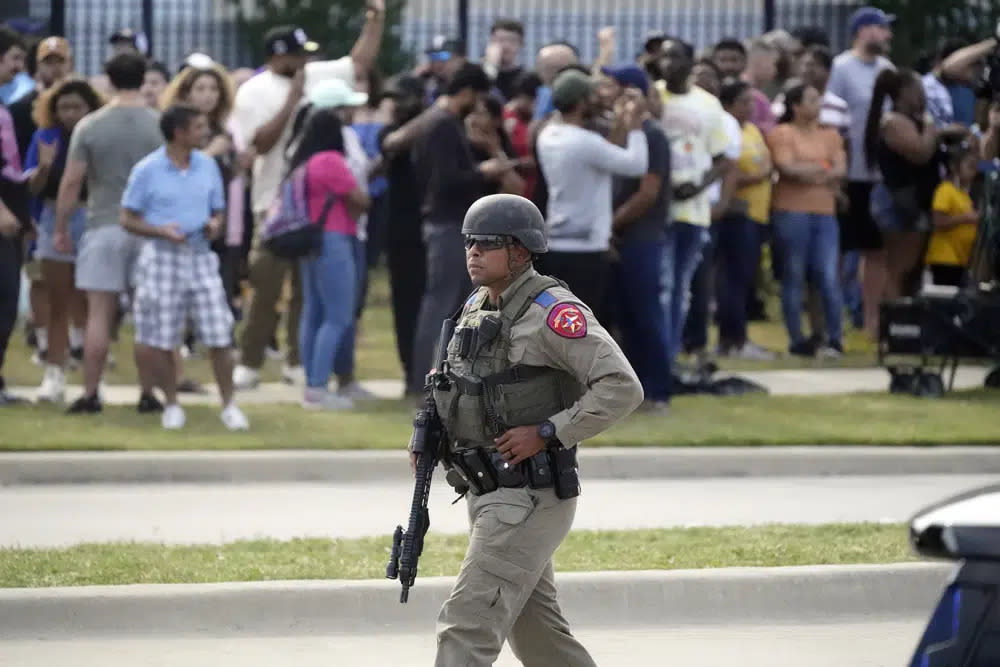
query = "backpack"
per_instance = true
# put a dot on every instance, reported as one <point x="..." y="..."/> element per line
<point x="288" y="231"/>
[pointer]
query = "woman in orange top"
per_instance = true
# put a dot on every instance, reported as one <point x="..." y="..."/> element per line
<point x="811" y="163"/>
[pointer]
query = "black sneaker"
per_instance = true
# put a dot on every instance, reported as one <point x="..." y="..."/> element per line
<point x="802" y="349"/>
<point x="148" y="404"/>
<point x="85" y="405"/>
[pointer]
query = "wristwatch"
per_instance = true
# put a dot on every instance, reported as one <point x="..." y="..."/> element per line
<point x="547" y="431"/>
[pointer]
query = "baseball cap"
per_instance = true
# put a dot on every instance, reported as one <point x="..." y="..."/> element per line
<point x="444" y="48"/>
<point x="628" y="76"/>
<point x="54" y="46"/>
<point x="654" y="39"/>
<point x="867" y="16"/>
<point x="335" y="93"/>
<point x="570" y="88"/>
<point x="136" y="39"/>
<point x="288" y="39"/>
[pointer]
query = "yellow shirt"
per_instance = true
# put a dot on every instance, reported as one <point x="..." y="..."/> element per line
<point x="755" y="156"/>
<point x="952" y="246"/>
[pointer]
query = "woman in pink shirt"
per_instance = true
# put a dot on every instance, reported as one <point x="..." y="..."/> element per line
<point x="329" y="287"/>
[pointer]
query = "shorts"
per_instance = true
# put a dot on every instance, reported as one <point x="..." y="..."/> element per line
<point x="858" y="230"/>
<point x="888" y="216"/>
<point x="106" y="258"/>
<point x="175" y="284"/>
<point x="46" y="228"/>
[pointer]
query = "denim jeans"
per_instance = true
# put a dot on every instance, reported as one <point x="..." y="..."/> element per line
<point x="809" y="242"/>
<point x="851" y="284"/>
<point x="343" y="364"/>
<point x="737" y="254"/>
<point x="681" y="256"/>
<point x="644" y="329"/>
<point x="329" y="293"/>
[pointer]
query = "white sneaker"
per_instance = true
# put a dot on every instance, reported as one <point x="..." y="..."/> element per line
<point x="173" y="418"/>
<point x="53" y="387"/>
<point x="295" y="375"/>
<point x="320" y="399"/>
<point x="234" y="419"/>
<point x="356" y="392"/>
<point x="753" y="352"/>
<point x="245" y="377"/>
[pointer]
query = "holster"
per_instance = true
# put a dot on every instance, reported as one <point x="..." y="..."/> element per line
<point x="485" y="471"/>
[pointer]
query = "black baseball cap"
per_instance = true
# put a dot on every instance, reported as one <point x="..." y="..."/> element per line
<point x="403" y="85"/>
<point x="444" y="48"/>
<point x="136" y="39"/>
<point x="288" y="40"/>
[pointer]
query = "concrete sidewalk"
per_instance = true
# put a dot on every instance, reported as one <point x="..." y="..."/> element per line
<point x="799" y="382"/>
<point x="590" y="599"/>
<point x="596" y="463"/>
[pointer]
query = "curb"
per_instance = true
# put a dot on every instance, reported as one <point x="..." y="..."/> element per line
<point x="649" y="598"/>
<point x="595" y="463"/>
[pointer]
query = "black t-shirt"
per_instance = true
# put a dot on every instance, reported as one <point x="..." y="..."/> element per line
<point x="447" y="171"/>
<point x="651" y="225"/>
<point x="505" y="81"/>
<point x="404" y="195"/>
<point x="24" y="124"/>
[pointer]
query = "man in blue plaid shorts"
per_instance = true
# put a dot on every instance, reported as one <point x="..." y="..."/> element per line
<point x="175" y="198"/>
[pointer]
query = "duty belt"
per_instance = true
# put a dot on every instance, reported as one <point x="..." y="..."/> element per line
<point x="484" y="471"/>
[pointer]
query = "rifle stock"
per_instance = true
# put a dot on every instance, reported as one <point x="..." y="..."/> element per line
<point x="427" y="442"/>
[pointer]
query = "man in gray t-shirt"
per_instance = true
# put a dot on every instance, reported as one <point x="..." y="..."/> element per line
<point x="104" y="148"/>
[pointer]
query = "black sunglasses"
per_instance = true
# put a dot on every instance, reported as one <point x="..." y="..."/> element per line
<point x="486" y="242"/>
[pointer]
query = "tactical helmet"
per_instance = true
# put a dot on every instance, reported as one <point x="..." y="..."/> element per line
<point x="508" y="215"/>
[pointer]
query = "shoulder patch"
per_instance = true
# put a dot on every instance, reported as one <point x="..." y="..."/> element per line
<point x="545" y="299"/>
<point x="568" y="321"/>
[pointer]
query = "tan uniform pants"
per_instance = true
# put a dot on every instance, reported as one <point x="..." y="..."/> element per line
<point x="267" y="276"/>
<point x="506" y="588"/>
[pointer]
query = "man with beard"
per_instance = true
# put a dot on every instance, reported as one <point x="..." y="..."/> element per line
<point x="853" y="80"/>
<point x="450" y="181"/>
<point x="578" y="166"/>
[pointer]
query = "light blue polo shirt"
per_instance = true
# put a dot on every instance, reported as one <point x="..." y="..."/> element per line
<point x="164" y="194"/>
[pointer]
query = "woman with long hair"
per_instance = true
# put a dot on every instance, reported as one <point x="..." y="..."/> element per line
<point x="811" y="163"/>
<point x="56" y="113"/>
<point x="903" y="142"/>
<point x="329" y="280"/>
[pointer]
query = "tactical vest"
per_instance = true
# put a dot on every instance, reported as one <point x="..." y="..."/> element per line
<point x="488" y="394"/>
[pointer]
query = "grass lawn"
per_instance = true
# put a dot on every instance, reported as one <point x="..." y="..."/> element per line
<point x="958" y="418"/>
<point x="763" y="546"/>
<point x="377" y="358"/>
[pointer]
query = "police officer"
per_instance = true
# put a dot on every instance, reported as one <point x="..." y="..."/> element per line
<point x="532" y="375"/>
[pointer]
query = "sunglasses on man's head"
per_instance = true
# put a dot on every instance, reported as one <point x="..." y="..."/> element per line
<point x="486" y="242"/>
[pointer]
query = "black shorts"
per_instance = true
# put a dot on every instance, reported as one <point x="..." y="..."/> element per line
<point x="858" y="230"/>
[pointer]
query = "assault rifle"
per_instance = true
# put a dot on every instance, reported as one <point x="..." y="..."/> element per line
<point x="427" y="442"/>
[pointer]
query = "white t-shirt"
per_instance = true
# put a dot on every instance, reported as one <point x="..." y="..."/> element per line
<point x="696" y="126"/>
<point x="733" y="152"/>
<point x="259" y="100"/>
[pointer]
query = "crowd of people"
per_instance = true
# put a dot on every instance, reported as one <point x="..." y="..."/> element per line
<point x="141" y="193"/>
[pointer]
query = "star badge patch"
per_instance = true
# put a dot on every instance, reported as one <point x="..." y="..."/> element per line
<point x="568" y="321"/>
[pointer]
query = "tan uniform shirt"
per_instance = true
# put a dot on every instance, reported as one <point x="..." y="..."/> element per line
<point x="566" y="335"/>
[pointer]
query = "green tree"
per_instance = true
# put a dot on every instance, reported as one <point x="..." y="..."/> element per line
<point x="923" y="25"/>
<point x="335" y="26"/>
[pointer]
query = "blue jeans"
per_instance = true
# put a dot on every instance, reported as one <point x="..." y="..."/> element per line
<point x="644" y="329"/>
<point x="737" y="251"/>
<point x="851" y="284"/>
<point x="809" y="242"/>
<point x="329" y="293"/>
<point x="681" y="256"/>
<point x="343" y="364"/>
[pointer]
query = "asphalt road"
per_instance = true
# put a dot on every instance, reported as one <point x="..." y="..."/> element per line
<point x="859" y="644"/>
<point x="202" y="513"/>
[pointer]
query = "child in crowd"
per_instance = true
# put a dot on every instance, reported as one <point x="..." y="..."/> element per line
<point x="955" y="221"/>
